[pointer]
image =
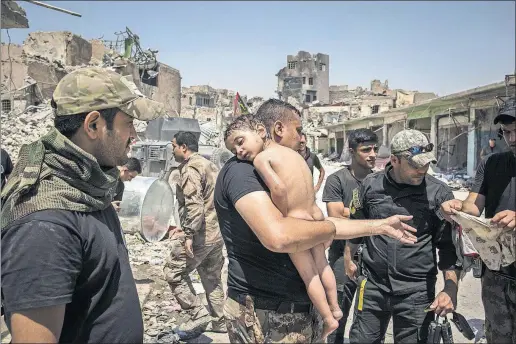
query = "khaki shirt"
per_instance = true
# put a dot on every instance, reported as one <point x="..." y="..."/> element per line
<point x="195" y="192"/>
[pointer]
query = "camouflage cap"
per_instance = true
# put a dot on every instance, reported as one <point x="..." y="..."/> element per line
<point x="95" y="88"/>
<point x="404" y="140"/>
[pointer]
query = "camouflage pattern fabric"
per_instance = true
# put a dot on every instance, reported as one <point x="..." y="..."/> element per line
<point x="246" y="324"/>
<point x="408" y="138"/>
<point x="54" y="173"/>
<point x="499" y="299"/>
<point x="95" y="88"/>
<point x="208" y="260"/>
<point x="195" y="194"/>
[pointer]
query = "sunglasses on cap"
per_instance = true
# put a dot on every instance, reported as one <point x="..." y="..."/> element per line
<point x="415" y="150"/>
<point x="368" y="149"/>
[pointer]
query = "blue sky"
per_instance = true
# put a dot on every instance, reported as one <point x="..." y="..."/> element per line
<point x="442" y="47"/>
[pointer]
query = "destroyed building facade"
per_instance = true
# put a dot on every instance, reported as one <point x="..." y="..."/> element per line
<point x="306" y="78"/>
<point x="31" y="72"/>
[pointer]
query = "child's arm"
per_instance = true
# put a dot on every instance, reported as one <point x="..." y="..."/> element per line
<point x="276" y="186"/>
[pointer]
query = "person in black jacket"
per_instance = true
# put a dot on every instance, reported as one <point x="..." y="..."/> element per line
<point x="398" y="280"/>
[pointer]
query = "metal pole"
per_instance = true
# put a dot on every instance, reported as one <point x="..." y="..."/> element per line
<point x="39" y="3"/>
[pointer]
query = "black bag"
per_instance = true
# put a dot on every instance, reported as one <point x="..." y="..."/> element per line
<point x="463" y="326"/>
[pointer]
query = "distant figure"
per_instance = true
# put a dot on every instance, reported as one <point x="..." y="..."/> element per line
<point x="6" y="168"/>
<point x="127" y="172"/>
<point x="312" y="160"/>
<point x="491" y="148"/>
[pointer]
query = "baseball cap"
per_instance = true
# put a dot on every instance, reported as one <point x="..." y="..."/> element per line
<point x="507" y="110"/>
<point x="403" y="141"/>
<point x="95" y="88"/>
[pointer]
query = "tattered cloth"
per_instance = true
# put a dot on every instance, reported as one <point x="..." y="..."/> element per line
<point x="54" y="173"/>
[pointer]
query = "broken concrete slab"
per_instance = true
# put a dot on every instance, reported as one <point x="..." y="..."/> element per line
<point x="63" y="48"/>
<point x="13" y="16"/>
<point x="47" y="76"/>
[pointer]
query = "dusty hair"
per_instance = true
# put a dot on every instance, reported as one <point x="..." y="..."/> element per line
<point x="243" y="122"/>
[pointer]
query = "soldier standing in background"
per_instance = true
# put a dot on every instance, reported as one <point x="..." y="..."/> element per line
<point x="201" y="246"/>
<point x="339" y="191"/>
<point x="127" y="172"/>
<point x="312" y="160"/>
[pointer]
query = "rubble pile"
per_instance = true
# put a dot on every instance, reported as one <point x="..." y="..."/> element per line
<point x="161" y="312"/>
<point x="457" y="180"/>
<point x="25" y="126"/>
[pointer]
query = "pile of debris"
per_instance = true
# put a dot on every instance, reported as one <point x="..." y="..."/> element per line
<point x="23" y="126"/>
<point x="457" y="180"/>
<point x="161" y="312"/>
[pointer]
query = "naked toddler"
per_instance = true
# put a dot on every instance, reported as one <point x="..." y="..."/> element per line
<point x="290" y="182"/>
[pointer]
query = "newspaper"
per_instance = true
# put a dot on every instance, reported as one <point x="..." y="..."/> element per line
<point x="495" y="246"/>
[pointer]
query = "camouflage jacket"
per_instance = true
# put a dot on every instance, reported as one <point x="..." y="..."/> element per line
<point x="195" y="192"/>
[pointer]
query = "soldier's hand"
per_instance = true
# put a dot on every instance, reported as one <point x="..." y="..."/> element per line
<point x="351" y="269"/>
<point x="505" y="219"/>
<point x="442" y="304"/>
<point x="188" y="248"/>
<point x="395" y="227"/>
<point x="450" y="207"/>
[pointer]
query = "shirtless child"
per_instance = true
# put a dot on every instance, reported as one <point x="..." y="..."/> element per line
<point x="289" y="180"/>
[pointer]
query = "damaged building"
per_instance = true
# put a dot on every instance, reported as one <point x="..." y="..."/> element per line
<point x="459" y="125"/>
<point x="30" y="73"/>
<point x="306" y="78"/>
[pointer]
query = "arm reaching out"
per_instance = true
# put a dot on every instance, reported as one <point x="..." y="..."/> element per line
<point x="278" y="190"/>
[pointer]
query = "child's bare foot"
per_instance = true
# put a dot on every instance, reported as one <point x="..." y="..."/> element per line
<point x="337" y="314"/>
<point x="330" y="325"/>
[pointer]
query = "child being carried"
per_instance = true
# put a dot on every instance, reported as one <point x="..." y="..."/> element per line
<point x="290" y="182"/>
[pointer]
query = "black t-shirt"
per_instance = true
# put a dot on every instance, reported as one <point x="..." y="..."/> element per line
<point x="496" y="181"/>
<point x="6" y="167"/>
<point x="58" y="257"/>
<point x="253" y="269"/>
<point x="399" y="268"/>
<point x="339" y="188"/>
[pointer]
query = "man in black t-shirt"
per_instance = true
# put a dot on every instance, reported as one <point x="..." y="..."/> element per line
<point x="267" y="299"/>
<point x="66" y="275"/>
<point x="312" y="160"/>
<point x="494" y="192"/>
<point x="339" y="190"/>
<point x="6" y="168"/>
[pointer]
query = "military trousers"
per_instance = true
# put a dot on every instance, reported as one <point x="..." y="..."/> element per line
<point x="499" y="299"/>
<point x="374" y="309"/>
<point x="246" y="324"/>
<point x="208" y="260"/>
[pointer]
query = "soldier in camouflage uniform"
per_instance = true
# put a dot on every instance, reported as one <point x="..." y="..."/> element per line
<point x="494" y="192"/>
<point x="201" y="247"/>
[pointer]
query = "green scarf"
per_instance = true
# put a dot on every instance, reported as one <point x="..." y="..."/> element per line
<point x="54" y="173"/>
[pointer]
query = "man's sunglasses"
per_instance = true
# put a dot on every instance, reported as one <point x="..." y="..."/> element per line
<point x="368" y="149"/>
<point x="418" y="149"/>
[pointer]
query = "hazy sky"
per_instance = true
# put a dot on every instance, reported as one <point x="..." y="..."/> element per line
<point x="441" y="47"/>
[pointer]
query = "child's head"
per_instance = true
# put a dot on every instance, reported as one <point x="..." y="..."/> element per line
<point x="245" y="137"/>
